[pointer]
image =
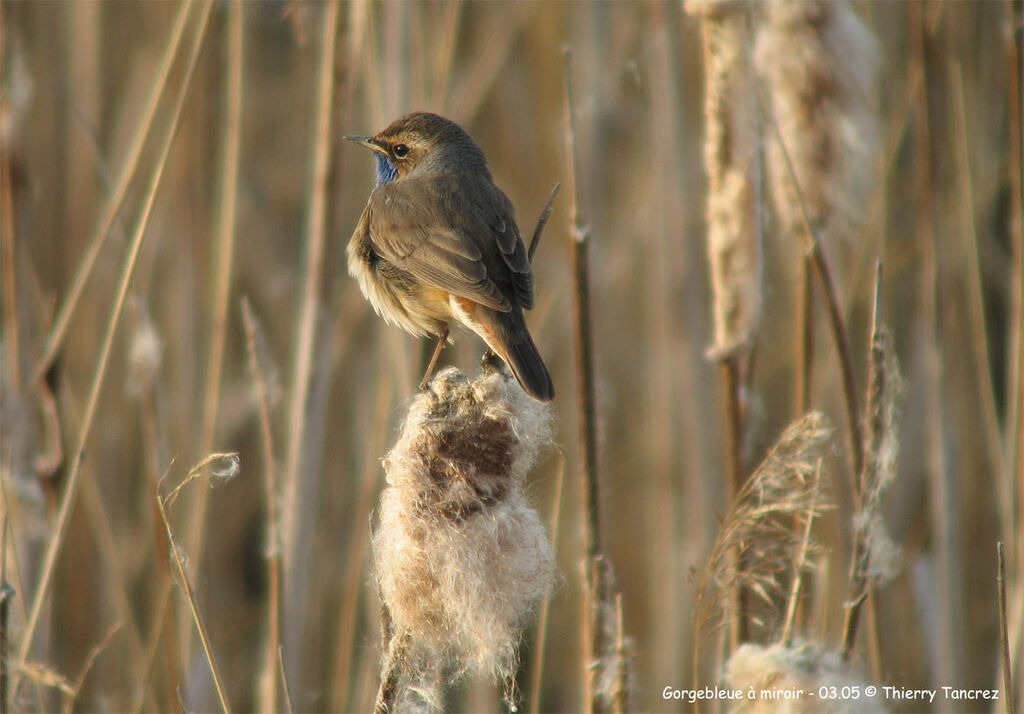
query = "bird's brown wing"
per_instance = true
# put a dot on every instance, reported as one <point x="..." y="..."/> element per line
<point x="497" y="213"/>
<point x="440" y="229"/>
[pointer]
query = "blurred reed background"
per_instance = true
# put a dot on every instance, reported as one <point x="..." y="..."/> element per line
<point x="163" y="161"/>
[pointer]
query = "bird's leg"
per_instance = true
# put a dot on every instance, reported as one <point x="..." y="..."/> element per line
<point x="441" y="339"/>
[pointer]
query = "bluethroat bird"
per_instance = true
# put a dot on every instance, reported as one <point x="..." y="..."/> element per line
<point x="437" y="243"/>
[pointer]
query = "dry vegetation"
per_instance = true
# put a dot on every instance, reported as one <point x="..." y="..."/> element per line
<point x="164" y="164"/>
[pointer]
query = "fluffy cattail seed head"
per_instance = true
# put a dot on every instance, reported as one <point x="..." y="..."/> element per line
<point x="820" y="65"/>
<point x="780" y="678"/>
<point x="461" y="559"/>
<point x="732" y="160"/>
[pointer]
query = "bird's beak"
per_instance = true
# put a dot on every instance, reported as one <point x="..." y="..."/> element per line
<point x="369" y="142"/>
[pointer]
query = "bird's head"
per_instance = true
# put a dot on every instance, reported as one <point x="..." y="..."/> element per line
<point x="420" y="143"/>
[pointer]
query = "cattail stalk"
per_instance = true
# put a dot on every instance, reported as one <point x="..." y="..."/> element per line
<point x="267" y="688"/>
<point x="224" y="242"/>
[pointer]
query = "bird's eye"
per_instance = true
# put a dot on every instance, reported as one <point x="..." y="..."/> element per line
<point x="400" y="151"/>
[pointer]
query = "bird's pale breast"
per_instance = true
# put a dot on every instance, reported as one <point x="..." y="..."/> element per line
<point x="396" y="295"/>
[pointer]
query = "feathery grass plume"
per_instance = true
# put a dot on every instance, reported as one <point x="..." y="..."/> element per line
<point x="760" y="522"/>
<point x="881" y="454"/>
<point x="461" y="560"/>
<point x="613" y="683"/>
<point x="780" y="678"/>
<point x="820" y="65"/>
<point x="732" y="161"/>
<point x="875" y="556"/>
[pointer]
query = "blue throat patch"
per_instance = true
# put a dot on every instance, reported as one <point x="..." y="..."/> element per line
<point x="386" y="170"/>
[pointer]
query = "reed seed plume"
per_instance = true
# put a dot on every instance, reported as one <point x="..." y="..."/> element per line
<point x="462" y="561"/>
<point x="781" y="677"/>
<point x="875" y="556"/>
<point x="880" y="460"/>
<point x="820" y="65"/>
<point x="731" y="157"/>
<point x="759" y="525"/>
<point x="613" y="670"/>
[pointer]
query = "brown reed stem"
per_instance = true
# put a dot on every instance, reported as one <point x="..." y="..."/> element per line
<point x="542" y="620"/>
<point x="6" y="593"/>
<point x="737" y="477"/>
<point x="267" y="694"/>
<point x="579" y="242"/>
<point x="976" y="307"/>
<point x="543" y="221"/>
<point x="222" y="264"/>
<point x="354" y="574"/>
<point x="1015" y="424"/>
<point x="942" y="481"/>
<point x="284" y="682"/>
<point x="1004" y="637"/>
<point x="163" y="503"/>
<point x="9" y="292"/>
<point x="307" y="318"/>
<point x="805" y="353"/>
<point x="583" y="339"/>
<point x="99" y="377"/>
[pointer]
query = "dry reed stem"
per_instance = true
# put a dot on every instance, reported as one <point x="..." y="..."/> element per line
<point x="128" y="270"/>
<point x="347" y="639"/>
<point x="267" y="694"/>
<point x="117" y="194"/>
<point x="295" y="480"/>
<point x="1014" y="422"/>
<point x="6" y="593"/>
<point x="224" y="248"/>
<point x="545" y="607"/>
<point x="976" y="309"/>
<point x="76" y="687"/>
<point x="1004" y="639"/>
<point x="163" y="504"/>
<point x="942" y="481"/>
<point x="542" y="221"/>
<point x="579" y="240"/>
<point x="9" y="291"/>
